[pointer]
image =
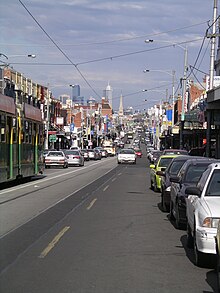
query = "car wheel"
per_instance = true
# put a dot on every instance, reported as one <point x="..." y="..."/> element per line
<point x="189" y="242"/>
<point x="134" y="162"/>
<point x="151" y="185"/>
<point x="163" y="205"/>
<point x="171" y="216"/>
<point x="218" y="271"/>
<point x="177" y="221"/>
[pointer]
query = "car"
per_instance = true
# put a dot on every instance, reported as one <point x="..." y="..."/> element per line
<point x="126" y="156"/>
<point x="188" y="175"/>
<point x="217" y="240"/>
<point x="154" y="156"/>
<point x="172" y="170"/>
<point x="75" y="148"/>
<point x="104" y="153"/>
<point x="175" y="151"/>
<point x="93" y="154"/>
<point x="138" y="152"/>
<point x="56" y="158"/>
<point x="161" y="165"/>
<point x="74" y="157"/>
<point x="85" y="154"/>
<point x="203" y="215"/>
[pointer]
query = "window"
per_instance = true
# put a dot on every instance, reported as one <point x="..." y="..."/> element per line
<point x="214" y="184"/>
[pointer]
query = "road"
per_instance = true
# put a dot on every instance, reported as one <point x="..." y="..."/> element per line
<point x="94" y="229"/>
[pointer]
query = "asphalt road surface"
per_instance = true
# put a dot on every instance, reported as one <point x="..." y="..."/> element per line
<point x="94" y="230"/>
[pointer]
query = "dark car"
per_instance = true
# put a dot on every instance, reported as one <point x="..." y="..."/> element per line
<point x="174" y="152"/>
<point x="172" y="170"/>
<point x="188" y="175"/>
<point x="154" y="156"/>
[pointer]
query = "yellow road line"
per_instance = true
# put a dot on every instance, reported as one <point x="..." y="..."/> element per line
<point x="91" y="204"/>
<point x="106" y="188"/>
<point x="53" y="242"/>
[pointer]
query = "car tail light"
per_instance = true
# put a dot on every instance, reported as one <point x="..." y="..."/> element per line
<point x="77" y="157"/>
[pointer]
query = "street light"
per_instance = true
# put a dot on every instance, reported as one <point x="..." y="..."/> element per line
<point x="9" y="56"/>
<point x="183" y="85"/>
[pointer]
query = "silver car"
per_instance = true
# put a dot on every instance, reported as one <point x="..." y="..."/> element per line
<point x="56" y="158"/>
<point x="74" y="157"/>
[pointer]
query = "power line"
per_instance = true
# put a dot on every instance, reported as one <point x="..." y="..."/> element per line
<point x="63" y="53"/>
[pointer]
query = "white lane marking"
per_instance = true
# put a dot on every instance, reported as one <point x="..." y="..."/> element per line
<point x="113" y="179"/>
<point x="106" y="188"/>
<point x="91" y="204"/>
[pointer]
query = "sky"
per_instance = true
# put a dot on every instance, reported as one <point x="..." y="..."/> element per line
<point x="95" y="42"/>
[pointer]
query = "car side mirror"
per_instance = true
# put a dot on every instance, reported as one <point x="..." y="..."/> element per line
<point x="160" y="173"/>
<point x="193" y="190"/>
<point x="152" y="166"/>
<point x="175" y="179"/>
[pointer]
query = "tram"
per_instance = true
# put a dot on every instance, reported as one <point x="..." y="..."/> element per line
<point x="21" y="140"/>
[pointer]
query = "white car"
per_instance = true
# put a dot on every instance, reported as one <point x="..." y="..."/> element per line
<point x="203" y="214"/>
<point x="126" y="156"/>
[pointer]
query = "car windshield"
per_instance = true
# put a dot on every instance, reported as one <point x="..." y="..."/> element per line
<point x="130" y="151"/>
<point x="70" y="152"/>
<point x="55" y="154"/>
<point x="194" y="173"/>
<point x="214" y="184"/>
<point x="164" y="162"/>
<point x="175" y="167"/>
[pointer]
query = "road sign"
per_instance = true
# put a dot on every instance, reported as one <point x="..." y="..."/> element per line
<point x="52" y="138"/>
<point x="72" y="125"/>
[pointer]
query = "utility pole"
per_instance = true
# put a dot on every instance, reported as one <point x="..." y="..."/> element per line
<point x="213" y="45"/>
<point x="211" y="77"/>
<point x="183" y="99"/>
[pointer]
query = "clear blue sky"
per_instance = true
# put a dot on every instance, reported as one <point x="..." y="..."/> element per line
<point x="112" y="32"/>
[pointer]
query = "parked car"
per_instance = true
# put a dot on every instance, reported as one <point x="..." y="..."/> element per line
<point x="203" y="214"/>
<point x="56" y="158"/>
<point x="126" y="156"/>
<point x="188" y="175"/>
<point x="175" y="151"/>
<point x="154" y="156"/>
<point x="161" y="165"/>
<point x="74" y="157"/>
<point x="104" y="153"/>
<point x="85" y="154"/>
<point x="172" y="170"/>
<point x="93" y="155"/>
<point x="218" y="256"/>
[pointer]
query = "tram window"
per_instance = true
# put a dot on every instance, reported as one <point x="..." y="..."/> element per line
<point x="14" y="135"/>
<point x="30" y="133"/>
<point x="3" y="134"/>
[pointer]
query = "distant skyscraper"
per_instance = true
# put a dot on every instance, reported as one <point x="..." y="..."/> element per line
<point x="121" y="110"/>
<point x="75" y="93"/>
<point x="107" y="93"/>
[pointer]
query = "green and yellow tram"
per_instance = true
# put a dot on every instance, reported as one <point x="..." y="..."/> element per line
<point x="21" y="140"/>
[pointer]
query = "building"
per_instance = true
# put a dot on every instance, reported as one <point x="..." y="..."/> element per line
<point x="107" y="94"/>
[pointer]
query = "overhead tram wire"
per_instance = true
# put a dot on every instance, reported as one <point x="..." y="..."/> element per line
<point x="118" y="40"/>
<point x="136" y="52"/>
<point x="64" y="54"/>
<point x="107" y="58"/>
<point x="200" y="50"/>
